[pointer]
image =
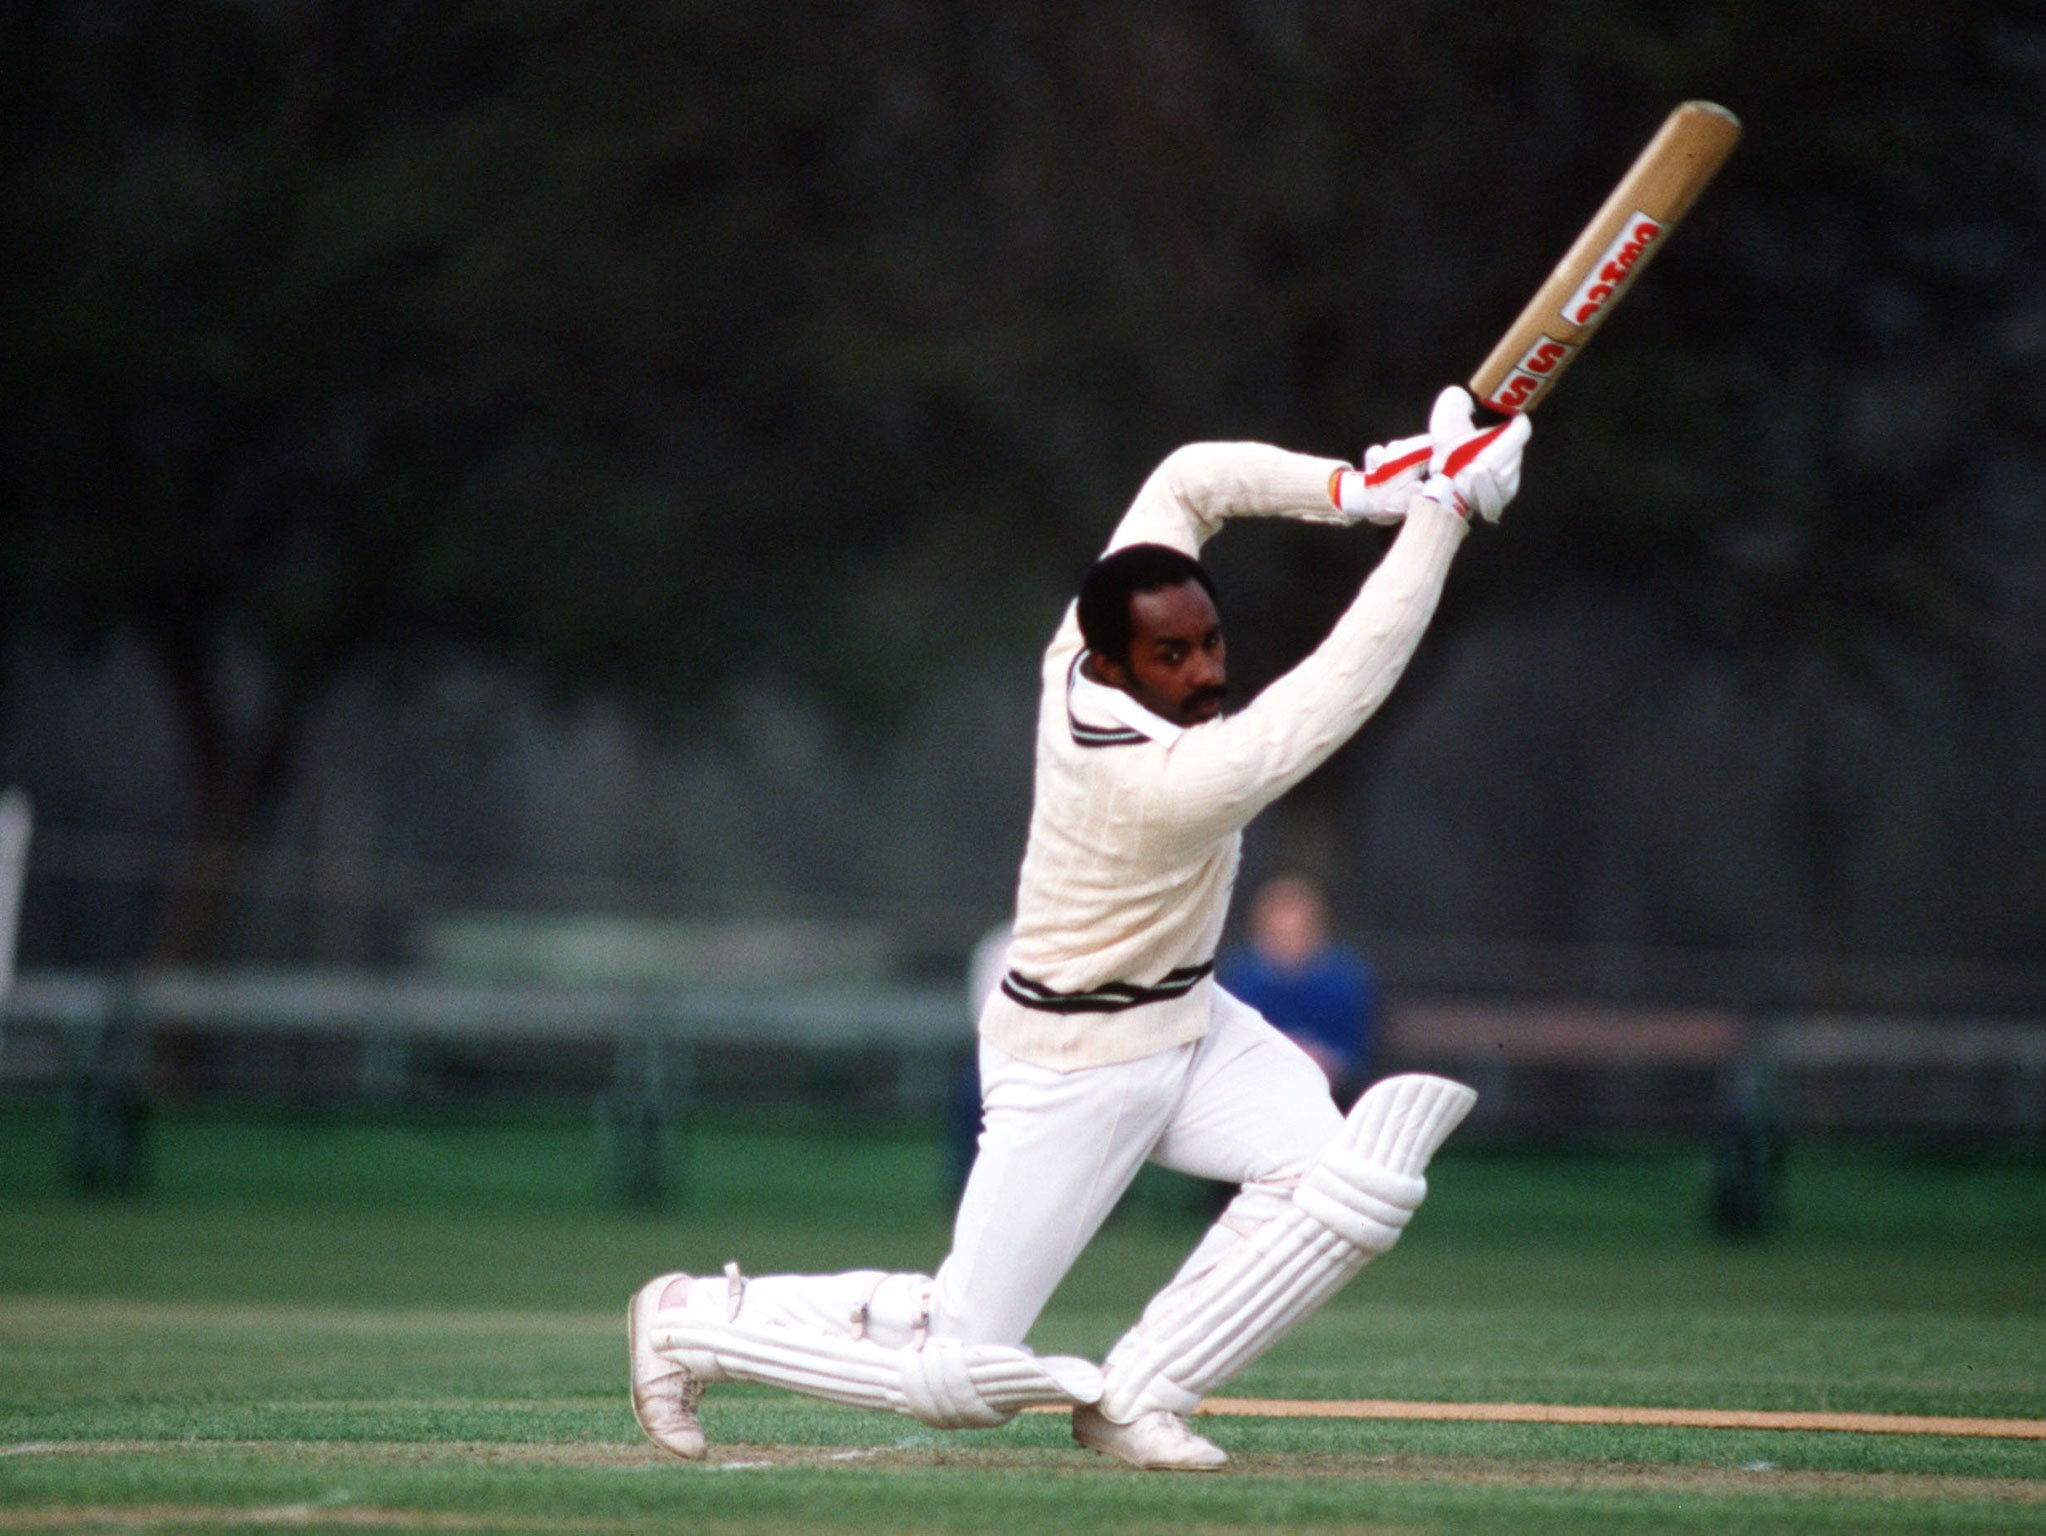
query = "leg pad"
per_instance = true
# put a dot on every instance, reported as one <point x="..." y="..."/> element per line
<point x="944" y="1384"/>
<point x="1350" y="1207"/>
<point x="1364" y="1203"/>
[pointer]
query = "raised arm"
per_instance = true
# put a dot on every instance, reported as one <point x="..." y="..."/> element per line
<point x="1195" y="489"/>
<point x="1220" y="775"/>
<point x="1198" y="487"/>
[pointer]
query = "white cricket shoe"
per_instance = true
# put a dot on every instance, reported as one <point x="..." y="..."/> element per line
<point x="1156" y="1441"/>
<point x="664" y="1394"/>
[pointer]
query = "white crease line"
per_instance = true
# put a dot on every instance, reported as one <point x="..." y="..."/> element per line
<point x="860" y="1454"/>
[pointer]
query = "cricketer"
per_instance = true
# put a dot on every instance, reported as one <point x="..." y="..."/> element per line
<point x="1109" y="1043"/>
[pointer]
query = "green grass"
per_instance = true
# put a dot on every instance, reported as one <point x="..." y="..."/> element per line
<point x="345" y="1320"/>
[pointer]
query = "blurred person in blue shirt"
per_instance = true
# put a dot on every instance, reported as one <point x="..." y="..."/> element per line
<point x="1321" y="995"/>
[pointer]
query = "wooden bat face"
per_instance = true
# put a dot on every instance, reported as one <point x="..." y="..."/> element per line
<point x="1604" y="261"/>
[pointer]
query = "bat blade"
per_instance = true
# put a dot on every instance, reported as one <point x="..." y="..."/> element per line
<point x="1607" y="258"/>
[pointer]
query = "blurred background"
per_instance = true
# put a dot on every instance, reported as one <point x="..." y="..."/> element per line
<point x="556" y="507"/>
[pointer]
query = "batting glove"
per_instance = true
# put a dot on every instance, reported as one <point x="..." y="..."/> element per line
<point x="1379" y="492"/>
<point x="1473" y="469"/>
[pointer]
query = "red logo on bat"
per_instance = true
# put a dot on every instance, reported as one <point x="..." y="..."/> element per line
<point x="1538" y="364"/>
<point x="1609" y="275"/>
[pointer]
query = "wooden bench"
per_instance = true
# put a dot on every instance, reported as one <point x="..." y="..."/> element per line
<point x="95" y="1032"/>
<point x="1549" y="1065"/>
<point x="1908" y="1076"/>
<point x="1547" y="1071"/>
<point x="1743" y="1084"/>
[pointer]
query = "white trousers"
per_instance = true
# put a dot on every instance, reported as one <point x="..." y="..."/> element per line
<point x="1242" y="1105"/>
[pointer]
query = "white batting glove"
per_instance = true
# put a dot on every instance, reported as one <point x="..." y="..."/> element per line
<point x="1474" y="470"/>
<point x="1378" y="493"/>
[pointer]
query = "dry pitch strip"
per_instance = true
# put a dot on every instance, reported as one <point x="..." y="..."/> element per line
<point x="1664" y="1418"/>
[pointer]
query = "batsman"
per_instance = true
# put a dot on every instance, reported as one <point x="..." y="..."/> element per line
<point x="1109" y="1043"/>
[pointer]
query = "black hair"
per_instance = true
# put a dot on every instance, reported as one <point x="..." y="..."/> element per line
<point x="1116" y="578"/>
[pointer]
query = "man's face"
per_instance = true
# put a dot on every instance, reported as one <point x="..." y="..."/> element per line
<point x="1178" y="665"/>
<point x="1288" y="923"/>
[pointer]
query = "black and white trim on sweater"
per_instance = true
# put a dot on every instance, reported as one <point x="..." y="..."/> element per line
<point x="1085" y="735"/>
<point x="1130" y="716"/>
<point x="1113" y="997"/>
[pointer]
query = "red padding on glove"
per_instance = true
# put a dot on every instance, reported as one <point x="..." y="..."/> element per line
<point x="1392" y="469"/>
<point x="1457" y="461"/>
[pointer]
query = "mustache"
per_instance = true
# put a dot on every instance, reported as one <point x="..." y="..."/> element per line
<point x="1201" y="698"/>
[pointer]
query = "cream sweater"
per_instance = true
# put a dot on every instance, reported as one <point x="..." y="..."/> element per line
<point x="1137" y="825"/>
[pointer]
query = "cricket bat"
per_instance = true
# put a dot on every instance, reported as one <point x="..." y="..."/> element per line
<point x="1621" y="239"/>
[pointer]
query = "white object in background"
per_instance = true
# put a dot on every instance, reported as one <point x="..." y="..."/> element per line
<point x="987" y="966"/>
<point x="14" y="827"/>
